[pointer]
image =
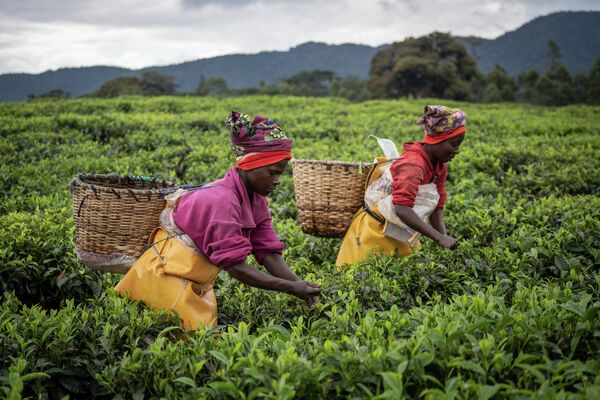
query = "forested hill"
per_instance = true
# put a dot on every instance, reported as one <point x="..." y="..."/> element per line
<point x="240" y="70"/>
<point x="76" y="81"/>
<point x="248" y="70"/>
<point x="576" y="33"/>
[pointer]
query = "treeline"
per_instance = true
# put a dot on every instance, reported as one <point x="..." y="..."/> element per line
<point x="435" y="65"/>
<point x="316" y="83"/>
<point x="150" y="84"/>
<point x="438" y="66"/>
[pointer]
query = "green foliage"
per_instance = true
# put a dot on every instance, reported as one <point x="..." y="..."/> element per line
<point x="52" y="94"/>
<point x="555" y="87"/>
<point x="514" y="312"/>
<point x="435" y="65"/>
<point x="150" y="84"/>
<point x="155" y="84"/>
<point x="122" y="86"/>
<point x="59" y="352"/>
<point x="553" y="54"/>
<point x="500" y="87"/>
<point x="527" y="81"/>
<point x="213" y="86"/>
<point x="37" y="260"/>
<point x="319" y="83"/>
<point x="351" y="88"/>
<point x="593" y="84"/>
<point x="315" y="83"/>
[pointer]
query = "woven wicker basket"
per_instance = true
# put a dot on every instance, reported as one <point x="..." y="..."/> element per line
<point x="114" y="216"/>
<point x="328" y="194"/>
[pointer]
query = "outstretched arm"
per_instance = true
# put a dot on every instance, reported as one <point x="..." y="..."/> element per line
<point x="408" y="216"/>
<point x="253" y="277"/>
<point x="437" y="221"/>
<point x="276" y="265"/>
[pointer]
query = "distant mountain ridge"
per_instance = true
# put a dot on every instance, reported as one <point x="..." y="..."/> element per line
<point x="576" y="33"/>
<point x="248" y="70"/>
<point x="239" y="70"/>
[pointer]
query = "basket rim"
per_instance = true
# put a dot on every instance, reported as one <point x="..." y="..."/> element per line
<point x="331" y="162"/>
<point x="79" y="183"/>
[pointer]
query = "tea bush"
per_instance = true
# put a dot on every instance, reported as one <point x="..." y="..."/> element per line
<point x="514" y="312"/>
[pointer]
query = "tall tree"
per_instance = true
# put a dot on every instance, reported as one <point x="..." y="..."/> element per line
<point x="435" y="65"/>
<point x="526" y="82"/>
<point x="121" y="86"/>
<point x="155" y="84"/>
<point x="500" y="86"/>
<point x="212" y="86"/>
<point x="554" y="88"/>
<point x="310" y="83"/>
<point x="593" y="84"/>
<point x="52" y="94"/>
<point x="553" y="54"/>
<point x="351" y="88"/>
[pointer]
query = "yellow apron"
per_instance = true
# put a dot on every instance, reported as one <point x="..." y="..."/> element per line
<point x="170" y="275"/>
<point x="365" y="236"/>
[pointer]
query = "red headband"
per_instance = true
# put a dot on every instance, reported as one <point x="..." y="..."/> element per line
<point x="440" y="137"/>
<point x="257" y="160"/>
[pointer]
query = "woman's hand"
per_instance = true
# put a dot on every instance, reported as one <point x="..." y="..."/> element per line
<point x="305" y="290"/>
<point x="447" y="242"/>
<point x="276" y="265"/>
<point x="311" y="301"/>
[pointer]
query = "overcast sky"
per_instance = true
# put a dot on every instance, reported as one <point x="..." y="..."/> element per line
<point x="39" y="35"/>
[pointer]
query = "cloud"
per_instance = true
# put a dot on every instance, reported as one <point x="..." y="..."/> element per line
<point x="231" y="4"/>
<point x="36" y="35"/>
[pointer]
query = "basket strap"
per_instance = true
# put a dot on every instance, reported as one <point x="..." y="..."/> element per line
<point x="95" y="192"/>
<point x="151" y="245"/>
<point x="368" y="180"/>
<point x="191" y="188"/>
<point x="133" y="194"/>
<point x="81" y="205"/>
<point x="116" y="193"/>
<point x="372" y="214"/>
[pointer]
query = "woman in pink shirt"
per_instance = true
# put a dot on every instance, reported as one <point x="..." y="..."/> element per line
<point x="416" y="182"/>
<point x="216" y="228"/>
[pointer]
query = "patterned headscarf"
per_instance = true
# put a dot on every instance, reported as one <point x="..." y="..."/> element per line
<point x="442" y="123"/>
<point x="257" y="143"/>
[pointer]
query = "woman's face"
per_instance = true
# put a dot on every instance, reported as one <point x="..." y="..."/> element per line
<point x="265" y="179"/>
<point x="446" y="150"/>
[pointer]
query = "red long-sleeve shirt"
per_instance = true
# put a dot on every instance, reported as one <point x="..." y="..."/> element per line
<point x="413" y="169"/>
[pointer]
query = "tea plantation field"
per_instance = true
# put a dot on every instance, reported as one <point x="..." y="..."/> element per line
<point x="514" y="312"/>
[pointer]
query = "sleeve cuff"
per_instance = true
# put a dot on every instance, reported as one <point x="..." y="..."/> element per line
<point x="229" y="260"/>
<point x="406" y="203"/>
<point x="261" y="255"/>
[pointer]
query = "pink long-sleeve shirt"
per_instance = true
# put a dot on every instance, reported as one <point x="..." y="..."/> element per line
<point x="225" y="225"/>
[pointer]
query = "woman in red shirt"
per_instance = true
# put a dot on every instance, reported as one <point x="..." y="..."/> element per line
<point x="414" y="191"/>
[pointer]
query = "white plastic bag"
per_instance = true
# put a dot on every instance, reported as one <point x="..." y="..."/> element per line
<point x="378" y="195"/>
<point x="168" y="223"/>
